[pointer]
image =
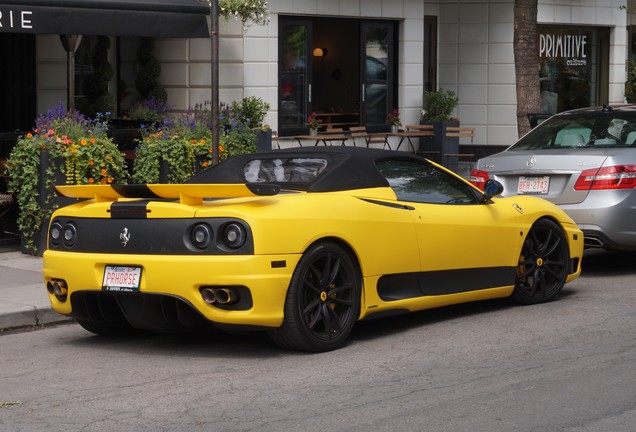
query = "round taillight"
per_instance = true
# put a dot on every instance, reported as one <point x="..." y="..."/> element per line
<point x="234" y="235"/>
<point x="69" y="235"/>
<point x="201" y="236"/>
<point x="55" y="233"/>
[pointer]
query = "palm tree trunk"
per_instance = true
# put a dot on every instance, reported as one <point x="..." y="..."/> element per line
<point x="526" y="62"/>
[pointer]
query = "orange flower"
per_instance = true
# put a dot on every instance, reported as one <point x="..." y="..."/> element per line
<point x="73" y="150"/>
<point x="103" y="181"/>
<point x="202" y="141"/>
<point x="93" y="140"/>
<point x="91" y="163"/>
<point x="91" y="180"/>
<point x="104" y="172"/>
<point x="29" y="135"/>
<point x="110" y="180"/>
<point x="83" y="142"/>
<point x="205" y="164"/>
<point x="220" y="148"/>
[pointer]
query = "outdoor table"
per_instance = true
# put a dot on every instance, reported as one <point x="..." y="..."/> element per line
<point x="324" y="138"/>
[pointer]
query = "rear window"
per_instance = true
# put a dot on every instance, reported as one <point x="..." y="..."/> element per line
<point x="282" y="170"/>
<point x="597" y="130"/>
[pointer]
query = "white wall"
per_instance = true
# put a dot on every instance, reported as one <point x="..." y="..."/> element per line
<point x="475" y="56"/>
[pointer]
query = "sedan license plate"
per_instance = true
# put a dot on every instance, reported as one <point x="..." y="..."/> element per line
<point x="121" y="279"/>
<point x="533" y="185"/>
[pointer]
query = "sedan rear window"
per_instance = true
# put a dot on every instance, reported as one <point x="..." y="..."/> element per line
<point x="596" y="130"/>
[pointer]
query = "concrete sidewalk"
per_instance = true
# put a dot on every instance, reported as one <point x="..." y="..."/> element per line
<point x="23" y="298"/>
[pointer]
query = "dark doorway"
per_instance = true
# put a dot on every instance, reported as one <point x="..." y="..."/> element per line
<point x="343" y="69"/>
<point x="17" y="82"/>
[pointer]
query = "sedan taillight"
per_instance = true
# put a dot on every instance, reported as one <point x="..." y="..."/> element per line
<point x="479" y="178"/>
<point x="614" y="177"/>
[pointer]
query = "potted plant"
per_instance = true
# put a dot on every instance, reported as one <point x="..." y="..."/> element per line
<point x="438" y="110"/>
<point x="64" y="148"/>
<point x="251" y="112"/>
<point x="180" y="147"/>
<point x="313" y="123"/>
<point x="173" y="151"/>
<point x="394" y="120"/>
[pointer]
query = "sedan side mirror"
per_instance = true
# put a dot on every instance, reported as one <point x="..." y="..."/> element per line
<point x="491" y="188"/>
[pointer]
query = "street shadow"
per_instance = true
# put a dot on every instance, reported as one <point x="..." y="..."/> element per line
<point x="382" y="327"/>
<point x="600" y="263"/>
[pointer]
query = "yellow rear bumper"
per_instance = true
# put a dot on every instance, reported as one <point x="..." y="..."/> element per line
<point x="182" y="276"/>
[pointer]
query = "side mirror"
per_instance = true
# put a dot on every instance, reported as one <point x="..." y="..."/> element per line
<point x="491" y="188"/>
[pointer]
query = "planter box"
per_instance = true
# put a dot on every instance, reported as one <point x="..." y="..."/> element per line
<point x="40" y="237"/>
<point x="263" y="140"/>
<point x="442" y="144"/>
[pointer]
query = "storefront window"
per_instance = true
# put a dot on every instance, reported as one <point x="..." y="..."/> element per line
<point x="573" y="67"/>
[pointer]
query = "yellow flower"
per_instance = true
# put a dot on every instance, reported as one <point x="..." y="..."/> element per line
<point x="29" y="135"/>
<point x="83" y="142"/>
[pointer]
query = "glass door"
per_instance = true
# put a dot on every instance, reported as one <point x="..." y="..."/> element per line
<point x="294" y="75"/>
<point x="377" y="73"/>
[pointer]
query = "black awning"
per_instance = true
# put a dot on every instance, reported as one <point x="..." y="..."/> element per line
<point x="154" y="18"/>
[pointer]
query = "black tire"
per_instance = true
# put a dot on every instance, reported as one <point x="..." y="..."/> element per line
<point x="105" y="329"/>
<point x="543" y="264"/>
<point x="323" y="301"/>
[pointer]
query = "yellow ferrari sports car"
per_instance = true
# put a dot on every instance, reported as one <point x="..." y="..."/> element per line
<point x="300" y="243"/>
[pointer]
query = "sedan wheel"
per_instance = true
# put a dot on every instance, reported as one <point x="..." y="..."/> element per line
<point x="323" y="301"/>
<point x="543" y="264"/>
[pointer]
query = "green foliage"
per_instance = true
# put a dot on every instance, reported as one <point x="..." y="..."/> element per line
<point x="439" y="105"/>
<point x="237" y="141"/>
<point x="184" y="144"/>
<point x="84" y="153"/>
<point x="251" y="111"/>
<point x="630" y="84"/>
<point x="248" y="11"/>
<point x="152" y="110"/>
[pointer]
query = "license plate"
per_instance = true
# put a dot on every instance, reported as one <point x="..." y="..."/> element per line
<point x="120" y="278"/>
<point x="533" y="185"/>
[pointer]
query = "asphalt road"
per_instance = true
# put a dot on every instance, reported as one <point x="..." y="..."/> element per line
<point x="487" y="367"/>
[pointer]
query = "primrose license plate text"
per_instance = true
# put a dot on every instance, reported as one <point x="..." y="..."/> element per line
<point x="120" y="278"/>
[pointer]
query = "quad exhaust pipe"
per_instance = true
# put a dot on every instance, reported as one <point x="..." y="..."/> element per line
<point x="222" y="296"/>
<point x="58" y="288"/>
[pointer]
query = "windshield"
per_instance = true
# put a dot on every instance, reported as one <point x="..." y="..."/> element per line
<point x="592" y="130"/>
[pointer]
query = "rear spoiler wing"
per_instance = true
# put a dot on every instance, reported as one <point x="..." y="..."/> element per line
<point x="190" y="194"/>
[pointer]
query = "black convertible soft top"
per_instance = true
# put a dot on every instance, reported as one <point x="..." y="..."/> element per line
<point x="346" y="168"/>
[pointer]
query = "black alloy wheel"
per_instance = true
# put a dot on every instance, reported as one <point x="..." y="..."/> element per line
<point x="323" y="301"/>
<point x="543" y="264"/>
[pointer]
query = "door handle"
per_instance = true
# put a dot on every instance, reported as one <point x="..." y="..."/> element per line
<point x="309" y="93"/>
<point x="363" y="92"/>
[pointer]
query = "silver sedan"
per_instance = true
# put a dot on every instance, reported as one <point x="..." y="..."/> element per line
<point x="585" y="162"/>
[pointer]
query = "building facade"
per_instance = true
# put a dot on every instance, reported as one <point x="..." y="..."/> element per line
<point x="375" y="55"/>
